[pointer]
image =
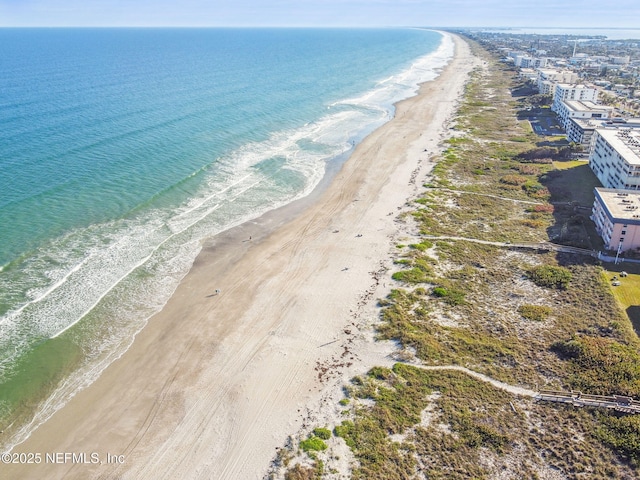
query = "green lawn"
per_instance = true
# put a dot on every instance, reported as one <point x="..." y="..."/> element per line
<point x="628" y="295"/>
<point x="569" y="164"/>
<point x="628" y="292"/>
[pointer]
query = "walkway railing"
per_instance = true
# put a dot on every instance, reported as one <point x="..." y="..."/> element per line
<point x="616" y="402"/>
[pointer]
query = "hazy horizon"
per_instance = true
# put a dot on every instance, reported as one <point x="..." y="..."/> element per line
<point x="590" y="14"/>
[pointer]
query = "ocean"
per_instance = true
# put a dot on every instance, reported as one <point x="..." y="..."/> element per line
<point x="121" y="150"/>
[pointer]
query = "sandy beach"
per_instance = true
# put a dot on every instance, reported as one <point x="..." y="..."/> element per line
<point x="217" y="381"/>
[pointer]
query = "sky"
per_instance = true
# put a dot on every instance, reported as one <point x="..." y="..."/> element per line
<point x="322" y="13"/>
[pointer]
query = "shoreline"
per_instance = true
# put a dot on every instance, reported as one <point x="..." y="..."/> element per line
<point x="213" y="384"/>
<point x="75" y="379"/>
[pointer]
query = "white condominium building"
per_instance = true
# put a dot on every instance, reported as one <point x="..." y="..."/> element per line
<point x="565" y="92"/>
<point x="615" y="157"/>
<point x="525" y="61"/>
<point x="581" y="130"/>
<point x="573" y="109"/>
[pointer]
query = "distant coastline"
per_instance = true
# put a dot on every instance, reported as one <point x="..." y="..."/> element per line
<point x="611" y="33"/>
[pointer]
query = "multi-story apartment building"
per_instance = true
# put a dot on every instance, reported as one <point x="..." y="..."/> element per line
<point x="528" y="74"/>
<point x="564" y="92"/>
<point x="616" y="214"/>
<point x="622" y="60"/>
<point x="572" y="109"/>
<point x="526" y="61"/>
<point x="615" y="157"/>
<point x="581" y="130"/>
<point x="545" y="87"/>
<point x="549" y="77"/>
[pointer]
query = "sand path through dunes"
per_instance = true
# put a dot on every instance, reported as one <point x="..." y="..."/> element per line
<point x="515" y="390"/>
<point x="215" y="383"/>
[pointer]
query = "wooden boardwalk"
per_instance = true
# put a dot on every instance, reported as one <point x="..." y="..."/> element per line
<point x="616" y="402"/>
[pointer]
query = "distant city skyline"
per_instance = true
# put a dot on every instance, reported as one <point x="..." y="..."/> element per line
<point x="320" y="13"/>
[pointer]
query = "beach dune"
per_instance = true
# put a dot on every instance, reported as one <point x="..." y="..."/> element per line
<point x="216" y="381"/>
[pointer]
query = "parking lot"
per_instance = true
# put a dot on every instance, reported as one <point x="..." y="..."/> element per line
<point x="545" y="125"/>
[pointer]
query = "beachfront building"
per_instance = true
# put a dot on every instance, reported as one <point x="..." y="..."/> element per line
<point x="526" y="61"/>
<point x="565" y="92"/>
<point x="580" y="130"/>
<point x="545" y="87"/>
<point x="522" y="61"/>
<point x="528" y="74"/>
<point x="583" y="109"/>
<point x="548" y="78"/>
<point x="615" y="157"/>
<point x="616" y="214"/>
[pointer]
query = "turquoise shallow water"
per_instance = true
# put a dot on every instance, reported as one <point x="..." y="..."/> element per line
<point x="122" y="149"/>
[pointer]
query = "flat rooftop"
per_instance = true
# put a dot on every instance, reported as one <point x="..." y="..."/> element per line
<point x="575" y="86"/>
<point x="621" y="204"/>
<point x="610" y="123"/>
<point x="586" y="106"/>
<point x="625" y="141"/>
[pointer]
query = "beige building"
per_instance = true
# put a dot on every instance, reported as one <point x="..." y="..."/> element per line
<point x="616" y="214"/>
<point x="549" y="77"/>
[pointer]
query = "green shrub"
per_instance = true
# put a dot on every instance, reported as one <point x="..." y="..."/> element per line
<point x="602" y="366"/>
<point x="450" y="296"/>
<point x="539" y="153"/>
<point x="314" y="444"/>
<point x="422" y="246"/>
<point x="621" y="433"/>
<point x="550" y="276"/>
<point x="513" y="179"/>
<point x="534" y="312"/>
<point x="440" y="291"/>
<point x="533" y="223"/>
<point x="529" y="169"/>
<point x="415" y="275"/>
<point x="534" y="189"/>
<point x="380" y="373"/>
<point x="346" y="431"/>
<point x="322" y="433"/>
<point x="476" y="434"/>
